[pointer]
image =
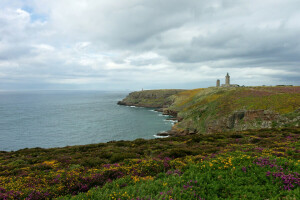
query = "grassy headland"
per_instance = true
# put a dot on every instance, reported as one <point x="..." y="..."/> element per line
<point x="222" y="161"/>
<point x="150" y="98"/>
<point x="213" y="110"/>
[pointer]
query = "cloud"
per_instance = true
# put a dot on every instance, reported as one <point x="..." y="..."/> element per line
<point x="134" y="44"/>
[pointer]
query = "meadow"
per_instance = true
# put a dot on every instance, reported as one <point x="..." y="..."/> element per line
<point x="252" y="164"/>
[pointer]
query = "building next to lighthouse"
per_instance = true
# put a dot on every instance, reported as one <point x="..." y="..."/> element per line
<point x="227" y="82"/>
<point x="218" y="83"/>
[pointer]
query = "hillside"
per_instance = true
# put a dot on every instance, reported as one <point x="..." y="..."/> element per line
<point x="224" y="109"/>
<point x="254" y="164"/>
<point x="149" y="98"/>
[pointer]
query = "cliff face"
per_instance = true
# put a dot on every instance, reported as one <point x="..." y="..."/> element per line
<point x="150" y="98"/>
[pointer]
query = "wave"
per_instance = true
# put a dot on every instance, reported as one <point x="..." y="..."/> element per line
<point x="159" y="136"/>
<point x="169" y="120"/>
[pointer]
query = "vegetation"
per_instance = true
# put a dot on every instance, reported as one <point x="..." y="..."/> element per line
<point x="254" y="164"/>
<point x="202" y="109"/>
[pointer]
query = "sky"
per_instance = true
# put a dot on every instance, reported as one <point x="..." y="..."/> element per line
<point x="149" y="44"/>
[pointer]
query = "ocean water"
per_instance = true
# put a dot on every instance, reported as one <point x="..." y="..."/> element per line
<point x="63" y="118"/>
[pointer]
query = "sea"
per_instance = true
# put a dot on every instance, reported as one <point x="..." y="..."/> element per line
<point x="49" y="119"/>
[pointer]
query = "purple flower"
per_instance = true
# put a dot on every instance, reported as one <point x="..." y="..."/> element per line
<point x="244" y="169"/>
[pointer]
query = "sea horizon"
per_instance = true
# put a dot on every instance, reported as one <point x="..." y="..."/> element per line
<point x="59" y="118"/>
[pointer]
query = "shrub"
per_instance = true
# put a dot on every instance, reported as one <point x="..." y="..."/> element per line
<point x="177" y="153"/>
<point x="118" y="157"/>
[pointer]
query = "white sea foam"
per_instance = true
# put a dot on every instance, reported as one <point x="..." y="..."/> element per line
<point x="170" y="121"/>
<point x="159" y="136"/>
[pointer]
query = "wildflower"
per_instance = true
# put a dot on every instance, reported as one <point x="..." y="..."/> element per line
<point x="244" y="169"/>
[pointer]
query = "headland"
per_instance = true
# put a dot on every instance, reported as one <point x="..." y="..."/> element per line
<point x="222" y="109"/>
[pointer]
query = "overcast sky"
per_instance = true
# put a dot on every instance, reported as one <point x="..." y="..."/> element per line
<point x="134" y="44"/>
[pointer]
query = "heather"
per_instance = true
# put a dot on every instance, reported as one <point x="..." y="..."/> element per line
<point x="252" y="164"/>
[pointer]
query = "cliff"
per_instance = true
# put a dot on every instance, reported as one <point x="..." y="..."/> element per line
<point x="214" y="110"/>
<point x="150" y="98"/>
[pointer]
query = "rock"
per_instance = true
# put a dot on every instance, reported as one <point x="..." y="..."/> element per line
<point x="159" y="109"/>
<point x="248" y="119"/>
<point x="172" y="118"/>
<point x="121" y="103"/>
<point x="168" y="133"/>
<point x="163" y="134"/>
<point x="170" y="112"/>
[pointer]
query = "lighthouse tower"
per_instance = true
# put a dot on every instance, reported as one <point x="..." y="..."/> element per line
<point x="227" y="77"/>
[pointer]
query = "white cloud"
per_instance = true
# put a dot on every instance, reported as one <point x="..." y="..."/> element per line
<point x="43" y="47"/>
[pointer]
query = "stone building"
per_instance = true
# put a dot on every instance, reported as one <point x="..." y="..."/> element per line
<point x="218" y="83"/>
<point x="227" y="82"/>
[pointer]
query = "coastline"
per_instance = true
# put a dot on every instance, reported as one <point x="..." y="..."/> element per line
<point x="222" y="109"/>
<point x="173" y="118"/>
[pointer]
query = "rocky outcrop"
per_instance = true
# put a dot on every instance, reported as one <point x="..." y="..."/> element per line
<point x="178" y="132"/>
<point x="251" y="119"/>
<point x="170" y="112"/>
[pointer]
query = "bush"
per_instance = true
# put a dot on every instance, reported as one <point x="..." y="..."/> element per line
<point x="118" y="157"/>
<point x="92" y="162"/>
<point x="177" y="153"/>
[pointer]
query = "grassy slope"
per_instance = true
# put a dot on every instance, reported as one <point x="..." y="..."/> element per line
<point x="199" y="107"/>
